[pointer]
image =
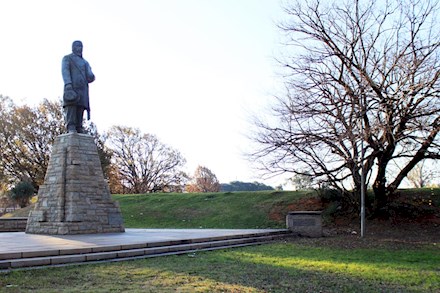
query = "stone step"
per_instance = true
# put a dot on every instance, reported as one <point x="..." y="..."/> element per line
<point x="139" y="244"/>
<point x="39" y="259"/>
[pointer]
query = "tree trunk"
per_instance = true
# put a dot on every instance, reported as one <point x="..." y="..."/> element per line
<point x="381" y="196"/>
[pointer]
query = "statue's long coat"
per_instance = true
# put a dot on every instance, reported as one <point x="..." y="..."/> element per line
<point x="76" y="71"/>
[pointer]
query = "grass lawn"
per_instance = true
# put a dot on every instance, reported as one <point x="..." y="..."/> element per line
<point x="297" y="265"/>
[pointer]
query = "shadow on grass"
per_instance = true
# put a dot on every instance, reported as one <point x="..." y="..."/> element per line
<point x="409" y="268"/>
<point x="264" y="277"/>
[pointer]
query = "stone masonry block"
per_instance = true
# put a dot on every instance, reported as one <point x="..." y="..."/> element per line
<point x="74" y="198"/>
<point x="305" y="223"/>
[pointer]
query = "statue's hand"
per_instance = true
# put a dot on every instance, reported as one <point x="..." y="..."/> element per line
<point x="68" y="86"/>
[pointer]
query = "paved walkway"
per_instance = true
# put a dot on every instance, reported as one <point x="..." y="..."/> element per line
<point x="13" y="242"/>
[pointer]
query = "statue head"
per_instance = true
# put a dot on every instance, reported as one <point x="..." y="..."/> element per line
<point x="77" y="48"/>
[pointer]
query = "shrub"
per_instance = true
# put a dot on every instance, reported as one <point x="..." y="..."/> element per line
<point x="414" y="203"/>
<point x="337" y="203"/>
<point x="22" y="193"/>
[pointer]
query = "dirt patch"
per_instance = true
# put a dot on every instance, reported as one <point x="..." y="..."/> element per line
<point x="307" y="204"/>
<point x="278" y="213"/>
<point x="275" y="215"/>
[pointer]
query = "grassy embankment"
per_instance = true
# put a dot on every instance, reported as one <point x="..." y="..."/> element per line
<point x="265" y="209"/>
<point x="336" y="264"/>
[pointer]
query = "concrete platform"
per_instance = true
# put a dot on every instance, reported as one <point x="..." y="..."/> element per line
<point x="18" y="249"/>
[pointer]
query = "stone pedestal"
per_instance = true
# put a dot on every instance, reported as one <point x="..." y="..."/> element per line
<point x="305" y="223"/>
<point x="75" y="198"/>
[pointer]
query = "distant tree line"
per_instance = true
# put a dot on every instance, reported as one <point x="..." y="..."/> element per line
<point x="244" y="186"/>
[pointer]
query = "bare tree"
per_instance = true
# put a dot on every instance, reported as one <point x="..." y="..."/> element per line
<point x="143" y="162"/>
<point x="26" y="139"/>
<point x="115" y="181"/>
<point x="204" y="180"/>
<point x="362" y="80"/>
<point x="103" y="152"/>
<point x="421" y="175"/>
<point x="301" y="181"/>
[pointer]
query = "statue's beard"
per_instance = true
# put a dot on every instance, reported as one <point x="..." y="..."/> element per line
<point x="78" y="54"/>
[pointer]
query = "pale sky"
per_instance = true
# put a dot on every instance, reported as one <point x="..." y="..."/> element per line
<point x="189" y="71"/>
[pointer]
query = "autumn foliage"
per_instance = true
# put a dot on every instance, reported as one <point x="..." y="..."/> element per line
<point x="204" y="180"/>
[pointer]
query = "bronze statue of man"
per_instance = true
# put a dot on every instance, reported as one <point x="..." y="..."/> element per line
<point x="77" y="74"/>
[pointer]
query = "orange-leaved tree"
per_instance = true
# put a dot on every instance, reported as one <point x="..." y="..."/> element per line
<point x="204" y="180"/>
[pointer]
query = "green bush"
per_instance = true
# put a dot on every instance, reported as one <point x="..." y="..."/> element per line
<point x="328" y="194"/>
<point x="337" y="202"/>
<point x="22" y="193"/>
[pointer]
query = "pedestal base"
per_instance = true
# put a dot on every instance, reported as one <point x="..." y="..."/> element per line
<point x="75" y="197"/>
